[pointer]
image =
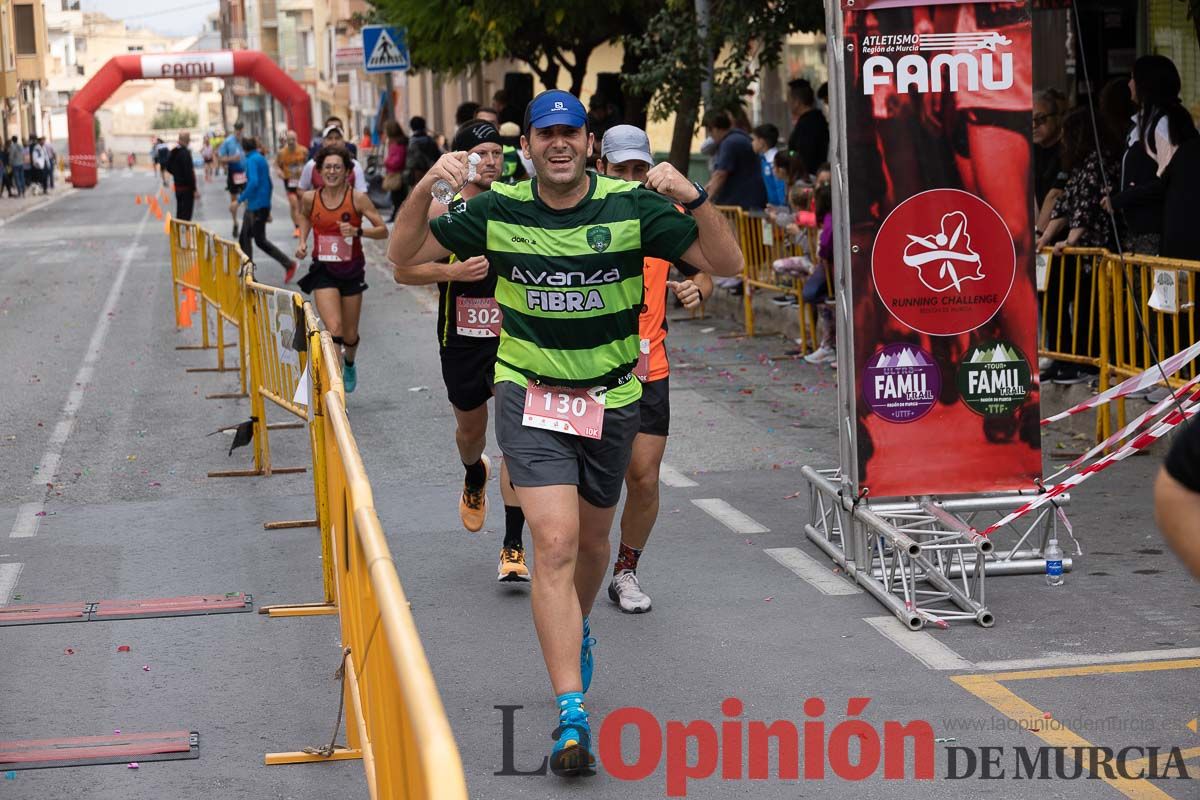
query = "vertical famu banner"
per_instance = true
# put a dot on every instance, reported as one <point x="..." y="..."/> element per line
<point x="938" y="108"/>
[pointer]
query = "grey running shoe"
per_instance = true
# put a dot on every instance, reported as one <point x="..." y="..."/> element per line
<point x="625" y="591"/>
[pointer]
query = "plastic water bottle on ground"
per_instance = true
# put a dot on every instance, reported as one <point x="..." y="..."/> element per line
<point x="443" y="192"/>
<point x="1054" y="563"/>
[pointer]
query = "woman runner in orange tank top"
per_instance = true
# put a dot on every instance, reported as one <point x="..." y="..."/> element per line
<point x="334" y="213"/>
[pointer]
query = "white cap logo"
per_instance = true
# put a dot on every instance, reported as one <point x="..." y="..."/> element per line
<point x="558" y="106"/>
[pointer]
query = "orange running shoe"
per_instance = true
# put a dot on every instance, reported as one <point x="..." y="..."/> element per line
<point x="472" y="505"/>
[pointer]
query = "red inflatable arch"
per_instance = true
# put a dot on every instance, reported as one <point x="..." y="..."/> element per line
<point x="174" y="66"/>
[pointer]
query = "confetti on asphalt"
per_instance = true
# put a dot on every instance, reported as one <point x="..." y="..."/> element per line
<point x="69" y="651"/>
<point x="707" y="330"/>
<point x="133" y="765"/>
<point x="792" y="496"/>
<point x="124" y="648"/>
<point x="145" y="667"/>
<point x="419" y="389"/>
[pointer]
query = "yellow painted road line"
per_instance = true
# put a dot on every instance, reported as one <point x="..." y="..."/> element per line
<point x="1144" y="763"/>
<point x="988" y="689"/>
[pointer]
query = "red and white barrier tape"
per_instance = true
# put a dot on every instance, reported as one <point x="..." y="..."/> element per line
<point x="1179" y="394"/>
<point x="1138" y="443"/>
<point x="1145" y="380"/>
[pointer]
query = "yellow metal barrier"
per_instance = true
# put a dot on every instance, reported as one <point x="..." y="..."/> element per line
<point x="319" y="382"/>
<point x="395" y="720"/>
<point x="1162" y="292"/>
<point x="270" y="317"/>
<point x="1091" y="301"/>
<point x="762" y="242"/>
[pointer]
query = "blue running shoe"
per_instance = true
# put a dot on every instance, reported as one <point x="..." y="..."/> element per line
<point x="349" y="377"/>
<point x="572" y="752"/>
<point x="586" y="663"/>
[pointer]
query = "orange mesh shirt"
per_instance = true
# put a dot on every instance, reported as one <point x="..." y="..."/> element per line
<point x="652" y="324"/>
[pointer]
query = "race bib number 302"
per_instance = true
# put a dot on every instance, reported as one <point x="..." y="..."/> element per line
<point x="478" y="317"/>
<point x="579" y="412"/>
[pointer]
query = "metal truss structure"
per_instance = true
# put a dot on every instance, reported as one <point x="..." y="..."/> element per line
<point x="923" y="558"/>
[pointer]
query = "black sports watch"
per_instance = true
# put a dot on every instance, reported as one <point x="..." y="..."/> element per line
<point x="699" y="201"/>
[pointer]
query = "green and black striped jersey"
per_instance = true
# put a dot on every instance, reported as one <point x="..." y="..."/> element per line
<point x="569" y="281"/>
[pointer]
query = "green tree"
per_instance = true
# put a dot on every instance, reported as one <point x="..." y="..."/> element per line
<point x="747" y="35"/>
<point x="556" y="38"/>
<point x="175" y="118"/>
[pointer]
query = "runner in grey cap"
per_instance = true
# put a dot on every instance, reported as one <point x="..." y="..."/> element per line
<point x="625" y="154"/>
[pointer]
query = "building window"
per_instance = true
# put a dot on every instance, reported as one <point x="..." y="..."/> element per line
<point x="135" y="48"/>
<point x="70" y="5"/>
<point x="308" y="48"/>
<point x="25" y="29"/>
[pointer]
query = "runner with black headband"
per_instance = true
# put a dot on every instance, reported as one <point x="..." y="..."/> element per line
<point x="468" y="331"/>
<point x="334" y="213"/>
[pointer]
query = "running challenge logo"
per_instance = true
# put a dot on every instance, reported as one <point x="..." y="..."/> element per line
<point x="972" y="61"/>
<point x="943" y="262"/>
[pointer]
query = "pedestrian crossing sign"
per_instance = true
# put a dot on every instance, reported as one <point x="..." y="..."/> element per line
<point x="384" y="49"/>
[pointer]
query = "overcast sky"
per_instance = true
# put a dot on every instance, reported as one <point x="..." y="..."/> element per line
<point x="171" y="17"/>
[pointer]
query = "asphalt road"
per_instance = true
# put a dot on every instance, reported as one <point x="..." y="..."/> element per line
<point x="104" y="436"/>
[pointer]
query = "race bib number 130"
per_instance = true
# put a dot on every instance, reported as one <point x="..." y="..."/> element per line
<point x="578" y="412"/>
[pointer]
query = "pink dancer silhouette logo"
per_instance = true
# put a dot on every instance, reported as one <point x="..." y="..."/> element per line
<point x="945" y="260"/>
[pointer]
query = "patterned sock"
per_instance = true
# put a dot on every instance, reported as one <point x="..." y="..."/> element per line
<point x="627" y="559"/>
<point x="514" y="521"/>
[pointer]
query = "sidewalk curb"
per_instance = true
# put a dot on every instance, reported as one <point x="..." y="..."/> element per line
<point x="39" y="205"/>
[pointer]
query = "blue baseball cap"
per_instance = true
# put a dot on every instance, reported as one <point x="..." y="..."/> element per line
<point x="555" y="107"/>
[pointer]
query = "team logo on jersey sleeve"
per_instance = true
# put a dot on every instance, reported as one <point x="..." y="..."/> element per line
<point x="599" y="238"/>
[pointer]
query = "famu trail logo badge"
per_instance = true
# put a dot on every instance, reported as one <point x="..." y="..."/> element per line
<point x="994" y="379"/>
<point x="599" y="238"/>
<point x="901" y="383"/>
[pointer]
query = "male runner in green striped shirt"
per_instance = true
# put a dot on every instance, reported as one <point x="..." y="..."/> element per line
<point x="567" y="248"/>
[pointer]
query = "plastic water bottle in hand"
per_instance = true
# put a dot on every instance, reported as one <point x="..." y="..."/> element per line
<point x="443" y="192"/>
<point x="1054" y="563"/>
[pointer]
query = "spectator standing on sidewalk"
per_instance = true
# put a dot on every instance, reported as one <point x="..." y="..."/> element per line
<point x="737" y="178"/>
<point x="1049" y="177"/>
<point x="810" y="131"/>
<point x="765" y="138"/>
<point x="51" y="161"/>
<point x="393" y="165"/>
<point x="183" y="173"/>
<point x="37" y="157"/>
<point x="6" y="172"/>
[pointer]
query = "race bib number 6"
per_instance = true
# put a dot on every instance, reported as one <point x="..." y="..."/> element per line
<point x="334" y="248"/>
<point x="579" y="412"/>
<point x="478" y="317"/>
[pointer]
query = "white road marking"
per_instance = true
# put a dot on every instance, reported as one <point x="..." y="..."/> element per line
<point x="1087" y="659"/>
<point x="8" y="581"/>
<point x="919" y="644"/>
<point x="818" y="575"/>
<point x="729" y="516"/>
<point x="936" y="655"/>
<point x="28" y="519"/>
<point x="673" y="477"/>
